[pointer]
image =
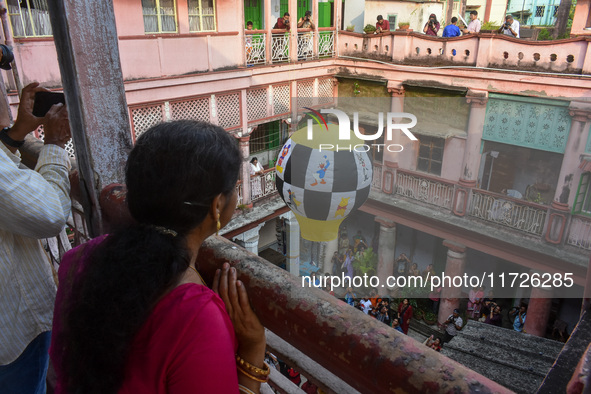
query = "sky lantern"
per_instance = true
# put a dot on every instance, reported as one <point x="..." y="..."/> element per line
<point x="323" y="179"/>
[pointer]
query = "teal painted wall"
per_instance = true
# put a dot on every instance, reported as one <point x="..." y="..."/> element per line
<point x="527" y="122"/>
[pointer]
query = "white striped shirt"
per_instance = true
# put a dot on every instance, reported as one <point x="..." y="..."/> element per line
<point x="33" y="205"/>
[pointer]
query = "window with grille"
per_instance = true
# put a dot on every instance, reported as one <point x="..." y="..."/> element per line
<point x="393" y="20"/>
<point x="29" y="18"/>
<point x="159" y="16"/>
<point x="430" y="154"/>
<point x="266" y="137"/>
<point x="555" y="10"/>
<point x="201" y="15"/>
<point x="540" y="11"/>
<point x="583" y="198"/>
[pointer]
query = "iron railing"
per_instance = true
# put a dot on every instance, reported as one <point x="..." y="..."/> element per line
<point x="579" y="232"/>
<point x="255" y="45"/>
<point x="262" y="185"/>
<point x="517" y="214"/>
<point x="429" y="190"/>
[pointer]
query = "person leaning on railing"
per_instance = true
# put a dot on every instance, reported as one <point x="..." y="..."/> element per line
<point x="283" y="23"/>
<point x="133" y="314"/>
<point x="474" y="25"/>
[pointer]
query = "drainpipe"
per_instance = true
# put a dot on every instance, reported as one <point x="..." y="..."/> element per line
<point x="10" y="43"/>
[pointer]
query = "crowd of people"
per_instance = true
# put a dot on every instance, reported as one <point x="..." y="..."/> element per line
<point x="431" y="28"/>
<point x="348" y="252"/>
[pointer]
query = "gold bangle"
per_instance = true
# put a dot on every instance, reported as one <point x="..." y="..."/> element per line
<point x="245" y="390"/>
<point x="258" y="371"/>
<point x="255" y="378"/>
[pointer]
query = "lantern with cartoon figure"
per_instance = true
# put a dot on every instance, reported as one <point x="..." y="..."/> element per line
<point x="320" y="184"/>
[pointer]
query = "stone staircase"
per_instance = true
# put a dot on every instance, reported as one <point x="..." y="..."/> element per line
<point x="516" y="360"/>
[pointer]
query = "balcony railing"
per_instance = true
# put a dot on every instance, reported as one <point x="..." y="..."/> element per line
<point x="326" y="44"/>
<point x="426" y="189"/>
<point x="481" y="50"/>
<point x="280" y="47"/>
<point x="579" y="233"/>
<point x="239" y="192"/>
<point x="514" y="213"/>
<point x="262" y="185"/>
<point x="255" y="45"/>
<point x="305" y="45"/>
<point x="517" y="214"/>
<point x="376" y="182"/>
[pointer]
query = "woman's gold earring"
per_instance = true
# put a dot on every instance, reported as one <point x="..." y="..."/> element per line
<point x="219" y="225"/>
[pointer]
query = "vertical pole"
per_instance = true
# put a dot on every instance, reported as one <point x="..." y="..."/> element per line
<point x="269" y="23"/>
<point x="244" y="143"/>
<point x="293" y="243"/>
<point x="85" y="37"/>
<point x="293" y="33"/>
<point x="455" y="266"/>
<point x="316" y="36"/>
<point x="538" y="311"/>
<point x="9" y="42"/>
<point x="386" y="249"/>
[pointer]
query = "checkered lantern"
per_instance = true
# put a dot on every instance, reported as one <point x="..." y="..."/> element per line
<point x="321" y="185"/>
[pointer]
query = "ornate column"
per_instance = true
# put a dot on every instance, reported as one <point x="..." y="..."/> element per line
<point x="471" y="159"/>
<point x="244" y="142"/>
<point x="293" y="243"/>
<point x="391" y="159"/>
<point x="386" y="249"/>
<point x="250" y="239"/>
<point x="538" y="311"/>
<point x="455" y="266"/>
<point x="396" y="90"/>
<point x="575" y="146"/>
<point x="330" y="248"/>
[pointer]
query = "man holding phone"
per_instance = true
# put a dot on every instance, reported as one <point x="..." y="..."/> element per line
<point x="33" y="205"/>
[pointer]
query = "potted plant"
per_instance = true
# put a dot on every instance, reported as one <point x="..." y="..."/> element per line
<point x="365" y="263"/>
<point x="350" y="28"/>
<point x="369" y="29"/>
<point x="404" y="25"/>
<point x="245" y="208"/>
<point x="430" y="318"/>
<point x="489" y="27"/>
<point x="418" y="314"/>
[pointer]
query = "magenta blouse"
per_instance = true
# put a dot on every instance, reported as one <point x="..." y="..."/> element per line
<point x="187" y="345"/>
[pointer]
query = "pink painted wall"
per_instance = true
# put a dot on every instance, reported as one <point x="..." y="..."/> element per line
<point x="37" y="61"/>
<point x="581" y="18"/>
<point x="128" y="17"/>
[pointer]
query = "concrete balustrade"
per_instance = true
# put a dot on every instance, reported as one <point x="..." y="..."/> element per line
<point x="482" y="50"/>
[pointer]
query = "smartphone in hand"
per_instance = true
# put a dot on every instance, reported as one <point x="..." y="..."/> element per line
<point x="45" y="100"/>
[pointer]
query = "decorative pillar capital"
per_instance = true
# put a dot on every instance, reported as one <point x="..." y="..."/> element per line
<point x="477" y="98"/>
<point x="467" y="183"/>
<point x="396" y="91"/>
<point x="385" y="223"/>
<point x="580" y="114"/>
<point x="454" y="246"/>
<point x="243" y="139"/>
<point x="395" y="88"/>
<point x="335" y="82"/>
